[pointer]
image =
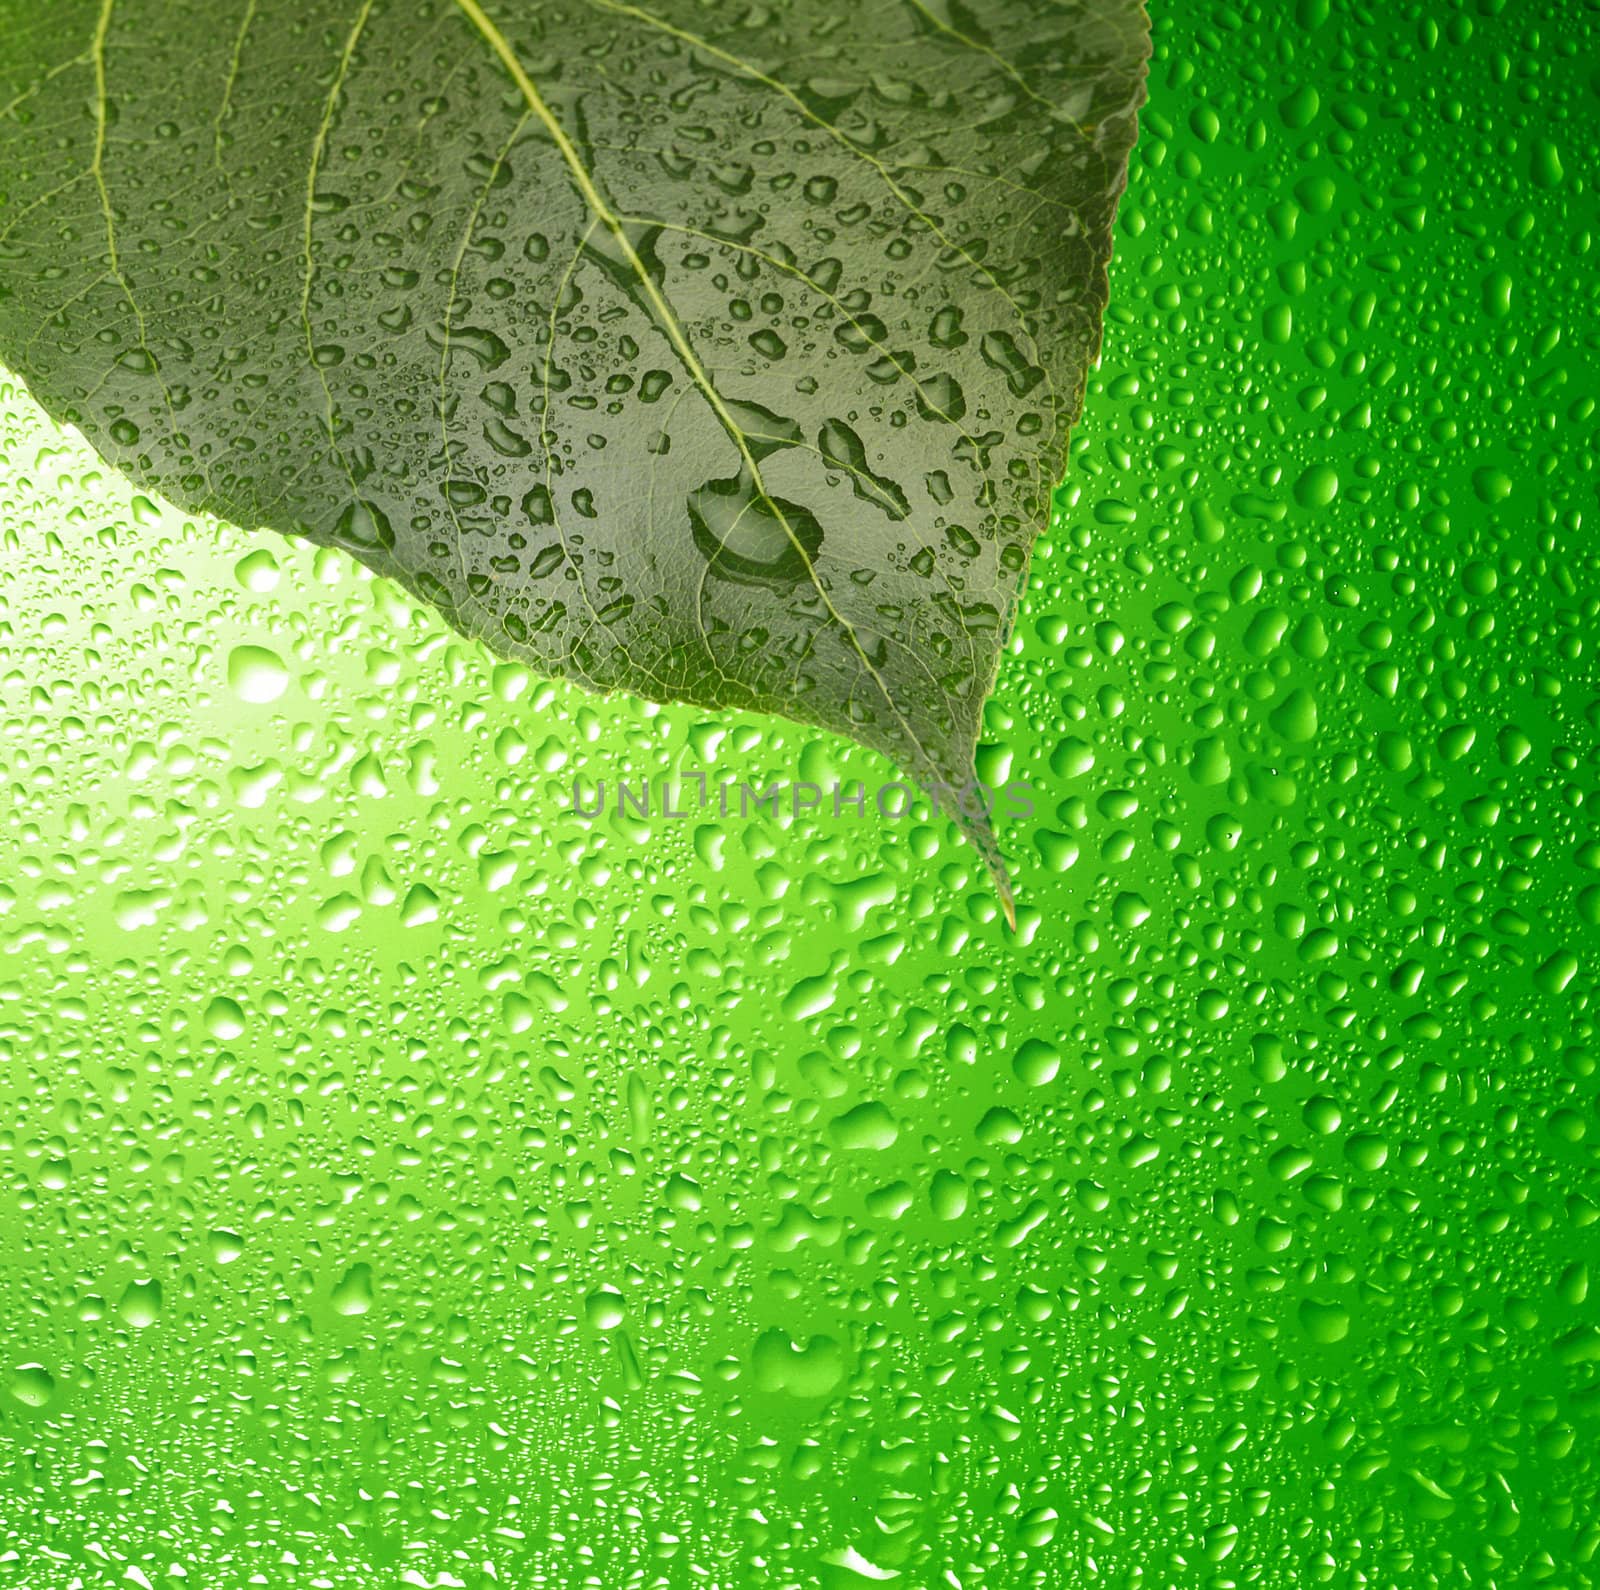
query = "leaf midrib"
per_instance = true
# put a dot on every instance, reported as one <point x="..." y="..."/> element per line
<point x="669" y="323"/>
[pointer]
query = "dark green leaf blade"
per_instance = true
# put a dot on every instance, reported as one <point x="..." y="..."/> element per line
<point x="718" y="353"/>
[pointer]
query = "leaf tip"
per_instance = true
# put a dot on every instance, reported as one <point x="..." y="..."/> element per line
<point x="1004" y="893"/>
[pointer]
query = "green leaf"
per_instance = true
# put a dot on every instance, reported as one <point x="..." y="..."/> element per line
<point x="722" y="353"/>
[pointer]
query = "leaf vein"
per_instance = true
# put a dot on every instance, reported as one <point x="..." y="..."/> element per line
<point x="313" y="168"/>
<point x="675" y="334"/>
<point x="850" y="146"/>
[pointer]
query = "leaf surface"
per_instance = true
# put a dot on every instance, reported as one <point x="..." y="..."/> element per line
<point x="722" y="353"/>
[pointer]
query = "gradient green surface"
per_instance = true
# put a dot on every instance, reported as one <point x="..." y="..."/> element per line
<point x="406" y="1182"/>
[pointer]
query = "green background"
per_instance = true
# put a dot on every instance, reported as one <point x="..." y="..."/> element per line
<point x="405" y="1182"/>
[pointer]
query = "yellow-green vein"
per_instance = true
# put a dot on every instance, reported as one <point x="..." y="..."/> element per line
<point x="319" y="145"/>
<point x="980" y="48"/>
<point x="227" y="93"/>
<point x="34" y="88"/>
<point x="675" y="334"/>
<point x="620" y="8"/>
<point x="97" y="167"/>
<point x="837" y="305"/>
<point x="444" y="341"/>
